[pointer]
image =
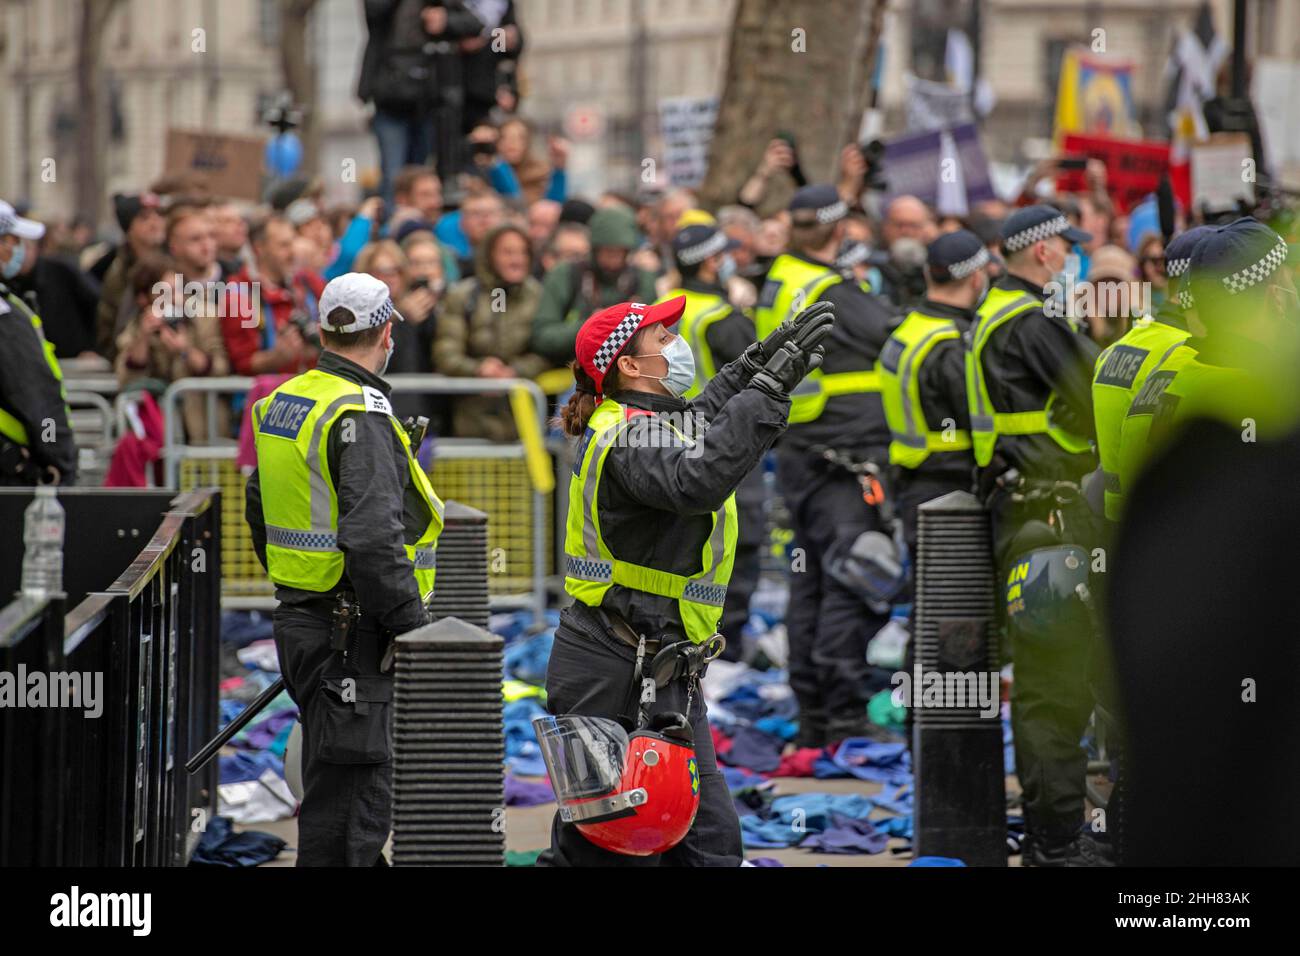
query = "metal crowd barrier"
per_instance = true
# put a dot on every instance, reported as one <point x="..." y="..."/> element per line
<point x="111" y="790"/>
<point x="512" y="482"/>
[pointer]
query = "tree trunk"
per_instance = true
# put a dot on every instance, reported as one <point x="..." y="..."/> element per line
<point x="89" y="190"/>
<point x="778" y="80"/>
<point x="300" y="76"/>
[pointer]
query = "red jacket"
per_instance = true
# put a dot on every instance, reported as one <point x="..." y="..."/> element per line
<point x="244" y="338"/>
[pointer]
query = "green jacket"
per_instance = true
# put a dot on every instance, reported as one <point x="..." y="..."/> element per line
<point x="570" y="296"/>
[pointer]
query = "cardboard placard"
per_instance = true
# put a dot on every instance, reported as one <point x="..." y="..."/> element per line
<point x="1223" y="171"/>
<point x="1133" y="167"/>
<point x="231" y="164"/>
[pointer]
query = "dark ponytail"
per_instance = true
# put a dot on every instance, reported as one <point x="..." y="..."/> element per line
<point x="574" y="416"/>
<point x="582" y="403"/>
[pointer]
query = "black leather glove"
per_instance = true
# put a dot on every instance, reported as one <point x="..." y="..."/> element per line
<point x="787" y="369"/>
<point x="795" y="330"/>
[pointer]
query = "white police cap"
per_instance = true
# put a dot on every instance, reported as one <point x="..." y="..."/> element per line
<point x="364" y="296"/>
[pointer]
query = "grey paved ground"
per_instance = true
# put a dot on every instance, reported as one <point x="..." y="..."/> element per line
<point x="528" y="828"/>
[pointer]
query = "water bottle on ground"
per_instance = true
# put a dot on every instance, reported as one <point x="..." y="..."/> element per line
<point x="43" y="525"/>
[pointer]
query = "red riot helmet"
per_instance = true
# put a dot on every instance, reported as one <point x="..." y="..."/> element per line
<point x="632" y="794"/>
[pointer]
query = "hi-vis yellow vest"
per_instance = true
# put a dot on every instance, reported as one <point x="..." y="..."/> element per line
<point x="591" y="567"/>
<point x="299" y="501"/>
<point x="702" y="310"/>
<point x="792" y="285"/>
<point x="987" y="422"/>
<point x="900" y="390"/>
<point x="1181" y="388"/>
<point x="11" y="427"/>
<point x="1122" y="370"/>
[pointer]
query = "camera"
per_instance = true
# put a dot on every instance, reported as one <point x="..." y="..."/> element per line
<point x="873" y="154"/>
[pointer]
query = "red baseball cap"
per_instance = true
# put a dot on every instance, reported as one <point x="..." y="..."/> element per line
<point x="603" y="336"/>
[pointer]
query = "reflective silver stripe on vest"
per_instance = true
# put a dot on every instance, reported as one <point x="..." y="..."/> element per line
<point x="320" y="489"/>
<point x="981" y="422"/>
<point x="586" y="569"/>
<point x="323" y="540"/>
<point x="425" y="558"/>
<point x="913" y="437"/>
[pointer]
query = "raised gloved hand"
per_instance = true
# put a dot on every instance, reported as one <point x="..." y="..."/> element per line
<point x="797" y="329"/>
<point x="787" y="368"/>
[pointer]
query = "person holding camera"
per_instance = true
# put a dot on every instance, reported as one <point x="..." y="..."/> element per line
<point x="270" y="320"/>
<point x="171" y="337"/>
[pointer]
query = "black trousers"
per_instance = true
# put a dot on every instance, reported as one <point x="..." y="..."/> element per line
<point x="735" y="611"/>
<point x="347" y="765"/>
<point x="590" y="675"/>
<point x="827" y="624"/>
<point x="1051" y="698"/>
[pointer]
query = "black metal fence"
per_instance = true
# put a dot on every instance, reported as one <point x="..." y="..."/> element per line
<point x="111" y="789"/>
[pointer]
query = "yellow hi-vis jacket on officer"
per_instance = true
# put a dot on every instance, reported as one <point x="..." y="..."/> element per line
<point x="300" y="504"/>
<point x="702" y="311"/>
<point x="912" y="440"/>
<point x="1182" y="387"/>
<point x="1007" y="301"/>
<point x="794" y="283"/>
<point x="1122" y="370"/>
<point x="591" y="566"/>
<point x="32" y="394"/>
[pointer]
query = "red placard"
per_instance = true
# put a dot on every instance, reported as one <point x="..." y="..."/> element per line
<point x="1133" y="167"/>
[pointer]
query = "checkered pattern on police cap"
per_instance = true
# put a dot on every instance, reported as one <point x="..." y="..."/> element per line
<point x="821" y="204"/>
<point x="363" y="296"/>
<point x="1235" y="258"/>
<point x="693" y="244"/>
<point x="13" y="224"/>
<point x="1024" y="227"/>
<point x="606" y="333"/>
<point x="956" y="255"/>
<point x="1178" y="258"/>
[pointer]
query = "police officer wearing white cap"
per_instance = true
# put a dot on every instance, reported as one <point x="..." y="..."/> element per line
<point x="346" y="523"/>
<point x="36" y="444"/>
<point x="1029" y="387"/>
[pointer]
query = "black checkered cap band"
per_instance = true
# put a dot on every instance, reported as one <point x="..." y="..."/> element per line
<point x="618" y="338"/>
<point x="1027" y="237"/>
<point x="374" y="321"/>
<point x="833" y="213"/>
<point x="960" y="270"/>
<point x="1176" y="267"/>
<point x="1256" y="272"/>
<point x="701" y="251"/>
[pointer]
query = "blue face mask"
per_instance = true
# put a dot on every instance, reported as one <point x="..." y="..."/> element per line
<point x="726" y="269"/>
<point x="15" y="263"/>
<point x="681" y="366"/>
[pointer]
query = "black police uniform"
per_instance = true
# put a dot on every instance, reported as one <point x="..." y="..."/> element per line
<point x="346" y="811"/>
<point x="942" y="384"/>
<point x="655" y="505"/>
<point x="727" y="338"/>
<point x="1202" y="599"/>
<point x="1031" y="356"/>
<point x="829" y="625"/>
<point x="30" y="392"/>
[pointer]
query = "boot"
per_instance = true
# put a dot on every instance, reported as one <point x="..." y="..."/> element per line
<point x="1040" y="851"/>
<point x="1088" y="851"/>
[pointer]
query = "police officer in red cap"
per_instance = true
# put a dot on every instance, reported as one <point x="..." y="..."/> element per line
<point x="651" y="537"/>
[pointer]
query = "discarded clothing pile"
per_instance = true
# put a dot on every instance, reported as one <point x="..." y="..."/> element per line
<point x="220" y="845"/>
<point x="829" y="823"/>
<point x="526" y="654"/>
<point x="251" y="785"/>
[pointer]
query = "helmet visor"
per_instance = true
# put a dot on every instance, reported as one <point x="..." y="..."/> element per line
<point x="584" y="755"/>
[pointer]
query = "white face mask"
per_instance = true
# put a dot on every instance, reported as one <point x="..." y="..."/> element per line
<point x="681" y="366"/>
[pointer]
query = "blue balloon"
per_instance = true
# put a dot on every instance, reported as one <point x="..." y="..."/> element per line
<point x="283" y="154"/>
